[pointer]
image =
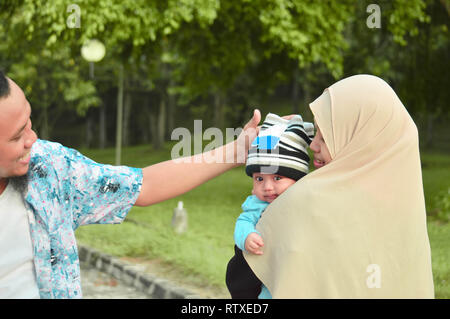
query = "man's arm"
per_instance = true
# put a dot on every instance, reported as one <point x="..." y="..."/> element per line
<point x="172" y="178"/>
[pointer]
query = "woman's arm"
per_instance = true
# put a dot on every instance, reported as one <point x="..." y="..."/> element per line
<point x="172" y="178"/>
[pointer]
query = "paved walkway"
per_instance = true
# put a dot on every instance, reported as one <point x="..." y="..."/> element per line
<point x="103" y="276"/>
<point x="99" y="285"/>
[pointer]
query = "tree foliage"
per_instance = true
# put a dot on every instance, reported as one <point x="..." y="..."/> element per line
<point x="225" y="52"/>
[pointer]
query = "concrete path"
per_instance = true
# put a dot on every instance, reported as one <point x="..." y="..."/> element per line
<point x="103" y="276"/>
<point x="99" y="285"/>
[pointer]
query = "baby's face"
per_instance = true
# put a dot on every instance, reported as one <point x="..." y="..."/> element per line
<point x="267" y="187"/>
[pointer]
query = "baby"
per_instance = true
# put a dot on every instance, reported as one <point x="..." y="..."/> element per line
<point x="277" y="158"/>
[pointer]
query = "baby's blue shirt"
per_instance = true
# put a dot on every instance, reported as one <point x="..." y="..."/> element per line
<point x="246" y="222"/>
<point x="252" y="208"/>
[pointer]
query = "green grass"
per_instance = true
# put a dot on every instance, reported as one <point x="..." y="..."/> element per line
<point x="202" y="253"/>
<point x="436" y="177"/>
<point x="439" y="235"/>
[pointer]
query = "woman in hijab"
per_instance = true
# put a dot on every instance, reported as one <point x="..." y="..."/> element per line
<point x="356" y="226"/>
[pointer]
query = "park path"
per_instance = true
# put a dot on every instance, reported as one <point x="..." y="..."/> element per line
<point x="99" y="285"/>
<point x="105" y="276"/>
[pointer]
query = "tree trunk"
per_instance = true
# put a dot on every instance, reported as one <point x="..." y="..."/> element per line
<point x="170" y="115"/>
<point x="157" y="123"/>
<point x="89" y="129"/>
<point x="143" y="119"/>
<point x="218" y="111"/>
<point x="305" y="90"/>
<point x="45" y="130"/>
<point x="295" y="93"/>
<point x="430" y="122"/>
<point x="162" y="122"/>
<point x="102" y="126"/>
<point x="119" y="115"/>
<point x="427" y="98"/>
<point x="126" y="119"/>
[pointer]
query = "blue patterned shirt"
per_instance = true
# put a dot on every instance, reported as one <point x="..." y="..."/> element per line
<point x="67" y="190"/>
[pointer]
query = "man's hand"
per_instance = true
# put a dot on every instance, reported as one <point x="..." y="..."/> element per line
<point x="288" y="117"/>
<point x="172" y="178"/>
<point x="253" y="244"/>
<point x="248" y="134"/>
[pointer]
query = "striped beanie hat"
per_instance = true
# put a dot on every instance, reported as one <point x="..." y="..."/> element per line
<point x="281" y="147"/>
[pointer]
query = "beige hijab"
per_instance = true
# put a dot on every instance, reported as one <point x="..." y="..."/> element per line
<point x="355" y="228"/>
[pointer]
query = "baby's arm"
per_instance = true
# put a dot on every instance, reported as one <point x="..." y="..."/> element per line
<point x="253" y="243"/>
<point x="246" y="236"/>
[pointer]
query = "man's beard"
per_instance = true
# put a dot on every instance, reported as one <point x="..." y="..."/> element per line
<point x="19" y="183"/>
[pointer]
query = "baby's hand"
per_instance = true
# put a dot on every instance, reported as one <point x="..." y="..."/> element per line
<point x="253" y="244"/>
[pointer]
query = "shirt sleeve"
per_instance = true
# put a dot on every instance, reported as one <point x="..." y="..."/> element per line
<point x="247" y="220"/>
<point x="98" y="193"/>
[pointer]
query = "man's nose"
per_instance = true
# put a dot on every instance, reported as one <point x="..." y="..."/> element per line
<point x="31" y="138"/>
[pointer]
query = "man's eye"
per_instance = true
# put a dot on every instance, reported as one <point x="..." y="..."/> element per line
<point x="277" y="178"/>
<point x="259" y="179"/>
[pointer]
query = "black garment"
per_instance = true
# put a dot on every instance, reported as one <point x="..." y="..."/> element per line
<point x="241" y="281"/>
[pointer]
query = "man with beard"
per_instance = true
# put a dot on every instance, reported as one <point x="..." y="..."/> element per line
<point x="48" y="190"/>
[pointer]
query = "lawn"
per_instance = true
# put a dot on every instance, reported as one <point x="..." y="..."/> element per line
<point x="202" y="253"/>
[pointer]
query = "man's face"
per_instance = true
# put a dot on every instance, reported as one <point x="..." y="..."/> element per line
<point x="16" y="135"/>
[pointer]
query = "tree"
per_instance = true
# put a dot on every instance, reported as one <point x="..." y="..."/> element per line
<point x="47" y="80"/>
<point x="225" y="52"/>
<point x="126" y="28"/>
<point x="408" y="56"/>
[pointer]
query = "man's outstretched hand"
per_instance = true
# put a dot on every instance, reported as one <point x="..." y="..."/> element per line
<point x="248" y="134"/>
<point x="172" y="178"/>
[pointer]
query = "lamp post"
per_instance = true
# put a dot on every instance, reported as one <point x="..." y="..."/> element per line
<point x="94" y="51"/>
<point x="119" y="116"/>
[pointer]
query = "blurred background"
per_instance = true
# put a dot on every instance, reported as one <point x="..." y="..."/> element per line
<point x="217" y="60"/>
<point x="167" y="63"/>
